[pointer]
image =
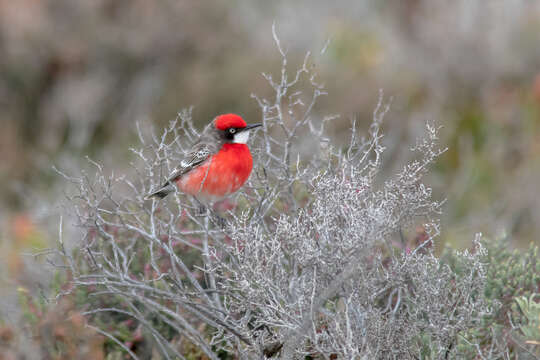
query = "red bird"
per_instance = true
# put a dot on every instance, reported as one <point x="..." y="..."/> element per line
<point x="218" y="164"/>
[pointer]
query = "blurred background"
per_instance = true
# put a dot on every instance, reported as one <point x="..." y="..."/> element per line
<point x="76" y="76"/>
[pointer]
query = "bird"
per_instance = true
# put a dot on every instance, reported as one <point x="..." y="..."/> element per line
<point x="217" y="165"/>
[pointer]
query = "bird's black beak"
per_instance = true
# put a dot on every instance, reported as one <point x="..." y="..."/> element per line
<point x="251" y="126"/>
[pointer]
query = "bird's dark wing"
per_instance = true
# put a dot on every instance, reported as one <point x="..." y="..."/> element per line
<point x="207" y="145"/>
<point x="198" y="154"/>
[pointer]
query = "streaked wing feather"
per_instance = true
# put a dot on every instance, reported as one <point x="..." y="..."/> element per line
<point x="199" y="153"/>
<point x="207" y="145"/>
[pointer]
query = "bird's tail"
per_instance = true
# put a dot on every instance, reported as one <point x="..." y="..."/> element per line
<point x="161" y="192"/>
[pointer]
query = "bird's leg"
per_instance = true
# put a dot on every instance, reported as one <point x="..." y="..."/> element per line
<point x="202" y="209"/>
<point x="218" y="220"/>
<point x="211" y="210"/>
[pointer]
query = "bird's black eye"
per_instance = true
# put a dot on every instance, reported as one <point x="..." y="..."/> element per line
<point x="232" y="130"/>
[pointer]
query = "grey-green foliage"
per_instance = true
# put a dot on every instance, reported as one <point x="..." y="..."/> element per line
<point x="530" y="308"/>
<point x="512" y="279"/>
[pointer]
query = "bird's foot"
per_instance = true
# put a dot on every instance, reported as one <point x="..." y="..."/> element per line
<point x="202" y="210"/>
<point x="220" y="221"/>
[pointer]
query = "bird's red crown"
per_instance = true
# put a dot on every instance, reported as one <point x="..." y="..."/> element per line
<point x="226" y="121"/>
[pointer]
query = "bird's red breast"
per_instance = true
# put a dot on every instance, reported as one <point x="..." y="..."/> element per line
<point x="220" y="175"/>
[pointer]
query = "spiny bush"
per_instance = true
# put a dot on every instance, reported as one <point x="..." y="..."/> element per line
<point x="307" y="264"/>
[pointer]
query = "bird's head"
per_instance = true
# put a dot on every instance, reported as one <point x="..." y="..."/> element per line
<point x="233" y="129"/>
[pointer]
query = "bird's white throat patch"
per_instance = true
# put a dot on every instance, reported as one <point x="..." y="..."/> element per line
<point x="241" y="137"/>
